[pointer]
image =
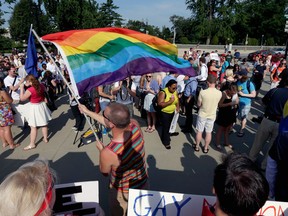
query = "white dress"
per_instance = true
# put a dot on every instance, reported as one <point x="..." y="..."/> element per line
<point x="38" y="114"/>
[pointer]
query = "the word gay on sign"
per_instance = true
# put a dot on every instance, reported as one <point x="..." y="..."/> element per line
<point x="148" y="203"/>
<point x="79" y="198"/>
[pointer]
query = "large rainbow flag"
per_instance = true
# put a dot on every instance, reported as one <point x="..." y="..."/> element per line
<point x="104" y="55"/>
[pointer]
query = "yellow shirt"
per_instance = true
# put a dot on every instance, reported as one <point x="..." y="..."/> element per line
<point x="172" y="107"/>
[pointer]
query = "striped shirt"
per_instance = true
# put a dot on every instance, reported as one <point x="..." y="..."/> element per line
<point x="131" y="173"/>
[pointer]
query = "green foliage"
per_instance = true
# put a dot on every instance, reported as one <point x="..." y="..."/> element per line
<point x="253" y="42"/>
<point x="184" y="40"/>
<point x="235" y="19"/>
<point x="270" y="42"/>
<point x="5" y="43"/>
<point x="25" y="13"/>
<point x="215" y="40"/>
<point x="108" y="15"/>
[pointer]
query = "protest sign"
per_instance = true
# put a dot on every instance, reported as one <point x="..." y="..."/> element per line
<point x="144" y="202"/>
<point x="79" y="198"/>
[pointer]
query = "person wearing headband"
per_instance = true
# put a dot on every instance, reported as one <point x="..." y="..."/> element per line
<point x="28" y="190"/>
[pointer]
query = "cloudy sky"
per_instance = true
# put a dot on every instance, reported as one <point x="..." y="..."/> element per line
<point x="155" y="12"/>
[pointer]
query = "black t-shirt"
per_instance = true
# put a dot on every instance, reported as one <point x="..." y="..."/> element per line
<point x="275" y="100"/>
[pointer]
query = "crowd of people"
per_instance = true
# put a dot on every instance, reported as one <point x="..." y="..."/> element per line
<point x="223" y="91"/>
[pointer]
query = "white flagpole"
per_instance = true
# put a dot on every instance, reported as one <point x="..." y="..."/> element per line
<point x="66" y="82"/>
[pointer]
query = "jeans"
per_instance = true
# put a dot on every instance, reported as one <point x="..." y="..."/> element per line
<point x="271" y="173"/>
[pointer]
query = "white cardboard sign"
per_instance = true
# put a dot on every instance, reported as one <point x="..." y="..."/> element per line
<point x="144" y="202"/>
<point x="79" y="198"/>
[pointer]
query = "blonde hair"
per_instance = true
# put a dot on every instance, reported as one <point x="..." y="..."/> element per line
<point x="229" y="73"/>
<point x="24" y="191"/>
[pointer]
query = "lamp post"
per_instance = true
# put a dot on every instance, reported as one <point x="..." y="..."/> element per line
<point x="174" y="35"/>
<point x="262" y="41"/>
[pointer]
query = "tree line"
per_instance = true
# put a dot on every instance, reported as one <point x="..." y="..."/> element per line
<point x="251" y="22"/>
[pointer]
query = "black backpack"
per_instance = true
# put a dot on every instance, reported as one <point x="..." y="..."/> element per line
<point x="155" y="102"/>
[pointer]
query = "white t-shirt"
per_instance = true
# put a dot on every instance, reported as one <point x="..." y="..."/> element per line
<point x="180" y="83"/>
<point x="8" y="81"/>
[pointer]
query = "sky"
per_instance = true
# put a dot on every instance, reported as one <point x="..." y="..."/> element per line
<point x="155" y="12"/>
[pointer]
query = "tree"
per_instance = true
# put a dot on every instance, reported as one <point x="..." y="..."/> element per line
<point x="27" y="12"/>
<point x="108" y="15"/>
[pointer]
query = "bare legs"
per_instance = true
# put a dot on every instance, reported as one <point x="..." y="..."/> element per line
<point x="226" y="131"/>
<point x="6" y="136"/>
<point x="208" y="138"/>
<point x="33" y="136"/>
<point x="151" y="121"/>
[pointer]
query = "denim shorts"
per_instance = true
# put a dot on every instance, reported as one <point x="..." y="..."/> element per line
<point x="244" y="111"/>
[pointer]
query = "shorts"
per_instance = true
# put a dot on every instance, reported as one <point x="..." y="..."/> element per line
<point x="244" y="111"/>
<point x="204" y="123"/>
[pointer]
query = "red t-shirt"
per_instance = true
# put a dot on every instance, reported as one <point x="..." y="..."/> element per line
<point x="35" y="98"/>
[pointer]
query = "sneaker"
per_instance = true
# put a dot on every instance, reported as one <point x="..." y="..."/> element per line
<point x="74" y="128"/>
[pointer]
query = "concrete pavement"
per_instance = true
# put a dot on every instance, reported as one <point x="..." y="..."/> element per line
<point x="178" y="170"/>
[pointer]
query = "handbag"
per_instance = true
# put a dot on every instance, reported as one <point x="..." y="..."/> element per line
<point x="139" y="92"/>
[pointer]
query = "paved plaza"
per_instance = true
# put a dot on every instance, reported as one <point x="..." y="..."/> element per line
<point x="177" y="170"/>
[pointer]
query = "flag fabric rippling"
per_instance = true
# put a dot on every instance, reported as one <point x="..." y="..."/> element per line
<point x="31" y="60"/>
<point x="104" y="55"/>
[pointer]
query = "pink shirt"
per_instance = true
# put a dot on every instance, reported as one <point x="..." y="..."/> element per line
<point x="35" y="98"/>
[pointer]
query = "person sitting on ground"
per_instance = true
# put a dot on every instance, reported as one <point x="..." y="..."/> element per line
<point x="28" y="190"/>
<point x="240" y="188"/>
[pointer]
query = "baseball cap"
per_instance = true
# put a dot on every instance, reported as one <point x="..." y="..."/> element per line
<point x="242" y="73"/>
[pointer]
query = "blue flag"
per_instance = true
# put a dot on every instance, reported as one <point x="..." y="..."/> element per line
<point x="31" y="60"/>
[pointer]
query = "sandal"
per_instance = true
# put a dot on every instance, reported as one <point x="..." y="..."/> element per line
<point x="219" y="147"/>
<point x="229" y="146"/>
<point x="168" y="147"/>
<point x="27" y="148"/>
<point x="196" y="148"/>
<point x="14" y="146"/>
<point x="46" y="141"/>
<point x="4" y="145"/>
<point x="147" y="129"/>
<point x="151" y="130"/>
<point x="205" y="151"/>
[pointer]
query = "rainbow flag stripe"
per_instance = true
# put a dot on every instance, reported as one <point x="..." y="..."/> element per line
<point x="104" y="55"/>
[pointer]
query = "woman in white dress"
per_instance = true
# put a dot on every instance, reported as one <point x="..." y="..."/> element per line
<point x="39" y="114"/>
<point x="151" y="88"/>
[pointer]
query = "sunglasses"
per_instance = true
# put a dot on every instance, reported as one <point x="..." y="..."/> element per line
<point x="105" y="116"/>
<point x="148" y="76"/>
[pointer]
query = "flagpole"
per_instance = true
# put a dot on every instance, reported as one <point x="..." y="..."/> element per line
<point x="67" y="84"/>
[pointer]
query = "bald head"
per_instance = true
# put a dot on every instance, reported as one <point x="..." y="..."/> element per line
<point x="119" y="115"/>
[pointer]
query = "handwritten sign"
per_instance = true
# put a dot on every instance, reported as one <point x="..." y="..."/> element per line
<point x="214" y="56"/>
<point x="144" y="202"/>
<point x="79" y="198"/>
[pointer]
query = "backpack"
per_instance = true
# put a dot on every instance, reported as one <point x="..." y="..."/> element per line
<point x="248" y="84"/>
<point x="155" y="102"/>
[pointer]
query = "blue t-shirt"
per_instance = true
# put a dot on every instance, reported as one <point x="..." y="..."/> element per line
<point x="243" y="101"/>
<point x="224" y="66"/>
